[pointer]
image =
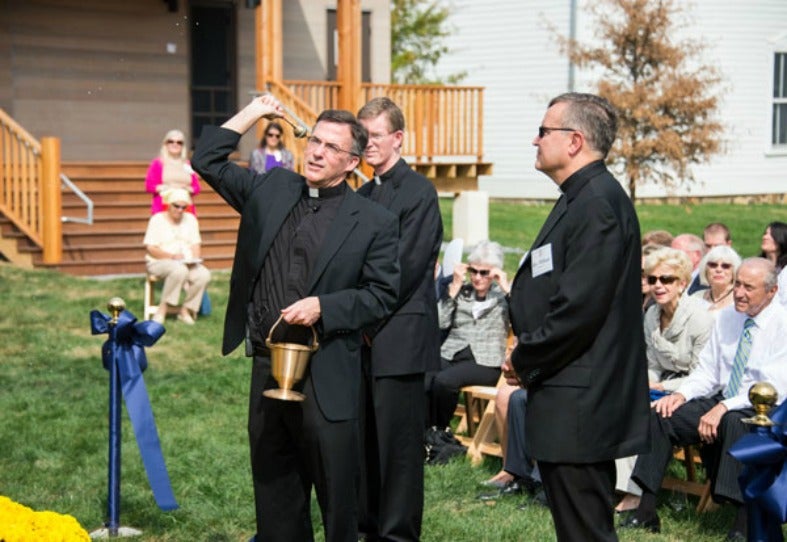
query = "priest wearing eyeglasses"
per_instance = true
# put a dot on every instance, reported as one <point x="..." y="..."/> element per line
<point x="576" y="314"/>
<point x="317" y="254"/>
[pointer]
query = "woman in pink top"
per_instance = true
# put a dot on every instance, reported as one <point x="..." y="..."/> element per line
<point x="171" y="170"/>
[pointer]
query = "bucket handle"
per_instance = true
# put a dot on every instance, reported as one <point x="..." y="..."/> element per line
<point x="315" y="344"/>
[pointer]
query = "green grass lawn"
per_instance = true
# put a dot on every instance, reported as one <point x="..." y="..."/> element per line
<point x="53" y="410"/>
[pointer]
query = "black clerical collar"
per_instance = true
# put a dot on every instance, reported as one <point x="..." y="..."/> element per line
<point x="391" y="173"/>
<point x="323" y="193"/>
<point x="577" y="180"/>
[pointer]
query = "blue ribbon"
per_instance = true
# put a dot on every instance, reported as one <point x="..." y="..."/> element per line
<point x="764" y="478"/>
<point x="131" y="338"/>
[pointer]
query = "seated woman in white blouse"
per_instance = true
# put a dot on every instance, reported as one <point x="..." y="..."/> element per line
<point x="173" y="244"/>
<point x="676" y="330"/>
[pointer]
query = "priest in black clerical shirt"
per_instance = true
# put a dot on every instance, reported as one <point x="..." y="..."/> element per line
<point x="313" y="251"/>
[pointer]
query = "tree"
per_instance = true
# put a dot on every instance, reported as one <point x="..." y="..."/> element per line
<point x="417" y="30"/>
<point x="665" y="97"/>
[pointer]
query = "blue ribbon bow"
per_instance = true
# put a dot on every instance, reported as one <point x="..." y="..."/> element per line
<point x="131" y="338"/>
<point x="764" y="478"/>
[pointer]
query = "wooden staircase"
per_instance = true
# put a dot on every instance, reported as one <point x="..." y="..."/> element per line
<point x="112" y="245"/>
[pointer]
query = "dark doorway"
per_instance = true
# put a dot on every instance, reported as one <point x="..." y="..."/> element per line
<point x="213" y="64"/>
<point x="333" y="45"/>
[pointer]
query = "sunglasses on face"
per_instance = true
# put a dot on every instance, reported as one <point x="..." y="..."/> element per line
<point x="174" y="142"/>
<point x="724" y="265"/>
<point x="664" y="279"/>
<point x="272" y="134"/>
<point x="482" y="272"/>
<point x="179" y="207"/>
<point x="544" y="131"/>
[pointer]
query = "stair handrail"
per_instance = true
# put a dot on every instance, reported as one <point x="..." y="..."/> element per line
<point x="303" y="114"/>
<point x="69" y="184"/>
<point x="29" y="186"/>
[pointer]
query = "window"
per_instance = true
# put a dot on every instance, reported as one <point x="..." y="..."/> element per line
<point x="779" y="99"/>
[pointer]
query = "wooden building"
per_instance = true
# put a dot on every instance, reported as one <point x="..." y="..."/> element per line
<point x="88" y="88"/>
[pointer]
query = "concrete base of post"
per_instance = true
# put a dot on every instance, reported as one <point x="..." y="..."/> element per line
<point x="123" y="532"/>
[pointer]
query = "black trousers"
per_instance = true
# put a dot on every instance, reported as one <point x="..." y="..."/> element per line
<point x="391" y="498"/>
<point x="444" y="386"/>
<point x="517" y="461"/>
<point x="582" y="499"/>
<point x="293" y="447"/>
<point x="680" y="430"/>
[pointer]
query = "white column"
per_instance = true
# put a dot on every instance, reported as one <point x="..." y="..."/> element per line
<point x="471" y="217"/>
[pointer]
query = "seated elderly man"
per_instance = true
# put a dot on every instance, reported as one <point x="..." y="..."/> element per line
<point x="746" y="346"/>
<point x="173" y="243"/>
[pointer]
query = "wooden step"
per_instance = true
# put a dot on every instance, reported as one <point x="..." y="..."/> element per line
<point x="121" y="251"/>
<point x="127" y="266"/>
<point x="112" y="245"/>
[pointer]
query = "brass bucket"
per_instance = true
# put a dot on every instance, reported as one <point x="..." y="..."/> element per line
<point x="288" y="365"/>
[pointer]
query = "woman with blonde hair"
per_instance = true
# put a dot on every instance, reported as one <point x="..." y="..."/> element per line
<point x="677" y="327"/>
<point x="171" y="170"/>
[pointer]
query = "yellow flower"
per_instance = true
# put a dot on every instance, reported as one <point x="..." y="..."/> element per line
<point x="18" y="523"/>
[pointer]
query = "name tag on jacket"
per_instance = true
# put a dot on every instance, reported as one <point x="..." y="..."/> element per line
<point x="542" y="260"/>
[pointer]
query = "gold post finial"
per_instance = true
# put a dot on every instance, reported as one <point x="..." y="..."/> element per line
<point x="116" y="305"/>
<point x="762" y="396"/>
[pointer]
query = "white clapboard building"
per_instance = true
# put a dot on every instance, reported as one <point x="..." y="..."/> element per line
<point x="506" y="46"/>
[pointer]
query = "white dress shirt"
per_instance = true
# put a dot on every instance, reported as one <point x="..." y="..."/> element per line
<point x="767" y="360"/>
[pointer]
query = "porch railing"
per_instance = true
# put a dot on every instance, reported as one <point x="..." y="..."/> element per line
<point x="443" y="122"/>
<point x="30" y="186"/>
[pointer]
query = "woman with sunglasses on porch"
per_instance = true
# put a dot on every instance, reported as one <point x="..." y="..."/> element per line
<point x="171" y="170"/>
<point x="271" y="153"/>
<point x="676" y="330"/>
<point x="717" y="271"/>
<point x="475" y="313"/>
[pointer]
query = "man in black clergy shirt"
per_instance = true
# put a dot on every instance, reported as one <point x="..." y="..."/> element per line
<point x="313" y="251"/>
<point x="576" y="313"/>
<point x="405" y="346"/>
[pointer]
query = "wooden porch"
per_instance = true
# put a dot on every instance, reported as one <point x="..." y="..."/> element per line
<point x="443" y="141"/>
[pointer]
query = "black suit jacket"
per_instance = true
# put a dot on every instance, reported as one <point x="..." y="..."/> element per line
<point x="356" y="276"/>
<point x="408" y="341"/>
<point x="581" y="350"/>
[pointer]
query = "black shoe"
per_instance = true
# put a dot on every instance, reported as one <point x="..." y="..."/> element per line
<point x="511" y="489"/>
<point x="514" y="487"/>
<point x="735" y="536"/>
<point x="531" y="486"/>
<point x="539" y="499"/>
<point x="631" y="521"/>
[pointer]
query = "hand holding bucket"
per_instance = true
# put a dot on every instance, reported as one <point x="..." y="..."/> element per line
<point x="288" y="365"/>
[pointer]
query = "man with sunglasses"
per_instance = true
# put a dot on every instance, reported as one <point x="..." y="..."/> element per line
<point x="313" y="252"/>
<point x="576" y="313"/>
<point x="402" y="348"/>
<point x="746" y="346"/>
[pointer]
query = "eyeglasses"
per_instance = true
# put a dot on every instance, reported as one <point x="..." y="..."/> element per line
<point x="664" y="279"/>
<point x="332" y="148"/>
<point x="379" y="137"/>
<point x="174" y="142"/>
<point x="724" y="265"/>
<point x="543" y="131"/>
<point x="273" y="134"/>
<point x="481" y="272"/>
<point x="179" y="207"/>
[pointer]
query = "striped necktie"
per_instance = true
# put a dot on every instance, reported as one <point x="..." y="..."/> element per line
<point x="741" y="358"/>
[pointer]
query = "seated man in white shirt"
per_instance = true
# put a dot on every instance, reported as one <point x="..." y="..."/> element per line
<point x="746" y="346"/>
<point x="173" y="245"/>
